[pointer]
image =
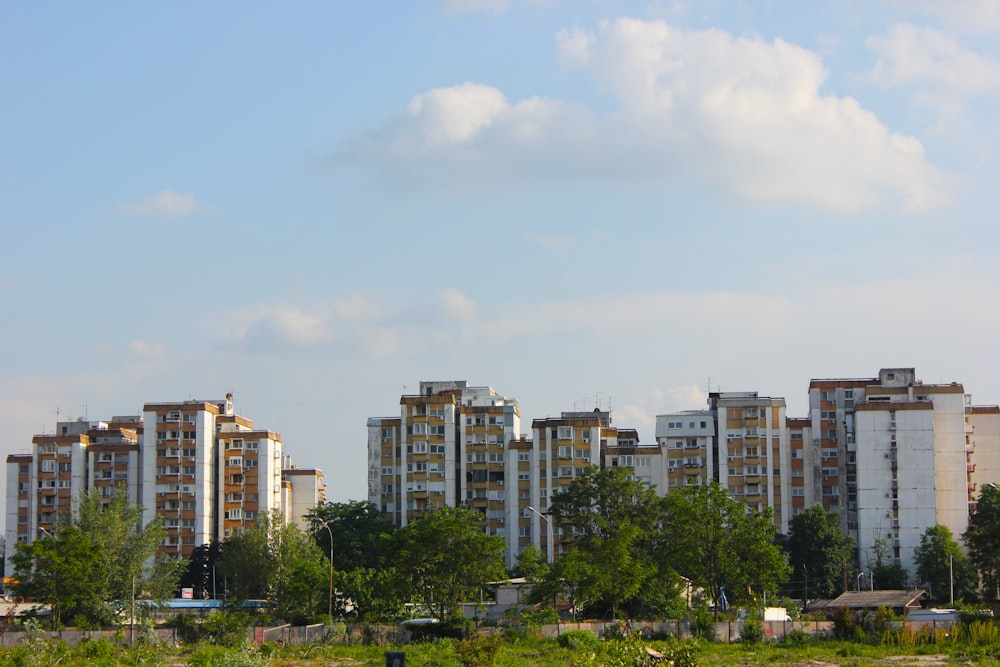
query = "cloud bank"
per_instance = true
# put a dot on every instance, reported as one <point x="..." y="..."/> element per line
<point x="166" y="203"/>
<point x="695" y="106"/>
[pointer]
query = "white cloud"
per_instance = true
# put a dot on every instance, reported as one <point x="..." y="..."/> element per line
<point x="922" y="56"/>
<point x="979" y="16"/>
<point x="166" y="203"/>
<point x="694" y="105"/>
<point x="284" y="326"/>
<point x="456" y="305"/>
<point x="147" y="349"/>
<point x="496" y="6"/>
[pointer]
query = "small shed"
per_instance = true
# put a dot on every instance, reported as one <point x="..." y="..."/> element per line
<point x="902" y="602"/>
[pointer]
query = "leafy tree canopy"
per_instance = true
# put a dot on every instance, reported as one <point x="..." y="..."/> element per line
<point x="95" y="562"/>
<point x="941" y="563"/>
<point x="275" y="561"/>
<point x="982" y="537"/>
<point x="817" y="552"/>
<point x="361" y="535"/>
<point x="445" y="558"/>
<point x="614" y="520"/>
<point x="717" y="542"/>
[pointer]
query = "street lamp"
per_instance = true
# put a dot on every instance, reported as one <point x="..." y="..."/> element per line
<point x="552" y="554"/>
<point x="330" y="532"/>
<point x="860" y="575"/>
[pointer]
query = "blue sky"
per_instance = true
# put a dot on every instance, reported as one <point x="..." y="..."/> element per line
<point x="316" y="205"/>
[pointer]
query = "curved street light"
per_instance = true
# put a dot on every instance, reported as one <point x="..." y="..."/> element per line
<point x="552" y="554"/>
<point x="330" y="600"/>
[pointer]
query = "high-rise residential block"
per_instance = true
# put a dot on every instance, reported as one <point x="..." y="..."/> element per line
<point x="205" y="471"/>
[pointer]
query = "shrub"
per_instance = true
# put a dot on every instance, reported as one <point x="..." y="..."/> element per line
<point x="226" y="628"/>
<point x="845" y="624"/>
<point x="752" y="631"/>
<point x="578" y="640"/>
<point x="703" y="625"/>
<point x="91" y="648"/>
<point x="478" y="650"/>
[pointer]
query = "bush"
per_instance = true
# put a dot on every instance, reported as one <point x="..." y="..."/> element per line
<point x="478" y="650"/>
<point x="703" y="626"/>
<point x="226" y="628"/>
<point x="91" y="648"/>
<point x="185" y="627"/>
<point x="845" y="624"/>
<point x="752" y="631"/>
<point x="578" y="640"/>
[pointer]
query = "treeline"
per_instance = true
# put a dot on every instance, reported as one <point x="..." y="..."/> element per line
<point x="625" y="552"/>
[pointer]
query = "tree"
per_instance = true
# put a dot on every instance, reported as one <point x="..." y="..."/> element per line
<point x="361" y="535"/>
<point x="95" y="562"/>
<point x="368" y="586"/>
<point x="275" y="561"/>
<point x="445" y="559"/>
<point x="201" y="571"/>
<point x="941" y="563"/>
<point x="815" y="546"/>
<point x="719" y="543"/>
<point x="886" y="574"/>
<point x="613" y="520"/>
<point x="531" y="564"/>
<point x="982" y="537"/>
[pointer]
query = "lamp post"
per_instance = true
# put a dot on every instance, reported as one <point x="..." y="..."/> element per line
<point x="552" y="553"/>
<point x="329" y="611"/>
<point x="860" y="575"/>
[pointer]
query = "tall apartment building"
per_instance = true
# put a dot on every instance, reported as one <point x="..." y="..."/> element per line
<point x="741" y="442"/>
<point x="688" y="447"/>
<point x="895" y="456"/>
<point x="561" y="449"/>
<point x="302" y="490"/>
<point x="891" y="454"/>
<point x="455" y="444"/>
<point x="448" y="447"/>
<point x="204" y="470"/>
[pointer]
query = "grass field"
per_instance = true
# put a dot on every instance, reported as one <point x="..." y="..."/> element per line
<point x="530" y="652"/>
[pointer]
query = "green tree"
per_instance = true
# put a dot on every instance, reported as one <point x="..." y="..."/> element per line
<point x="886" y="573"/>
<point x="613" y="520"/>
<point x="815" y="546"/>
<point x="982" y="537"/>
<point x="361" y="535"/>
<point x="718" y="543"/>
<point x="531" y="564"/>
<point x="445" y="559"/>
<point x="200" y="573"/>
<point x="368" y="585"/>
<point x="940" y="562"/>
<point x="96" y="562"/>
<point x="275" y="561"/>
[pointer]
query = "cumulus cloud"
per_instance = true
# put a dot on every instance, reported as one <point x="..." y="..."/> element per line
<point x="980" y="16"/>
<point x="349" y="325"/>
<point x="695" y="105"/>
<point x="166" y="203"/>
<point x="456" y="305"/>
<point x="284" y="326"/>
<point x="147" y="349"/>
<point x="914" y="55"/>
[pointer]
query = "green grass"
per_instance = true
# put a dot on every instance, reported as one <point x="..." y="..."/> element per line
<point x="978" y="647"/>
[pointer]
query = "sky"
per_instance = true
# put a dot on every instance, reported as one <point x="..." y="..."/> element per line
<point x="580" y="203"/>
